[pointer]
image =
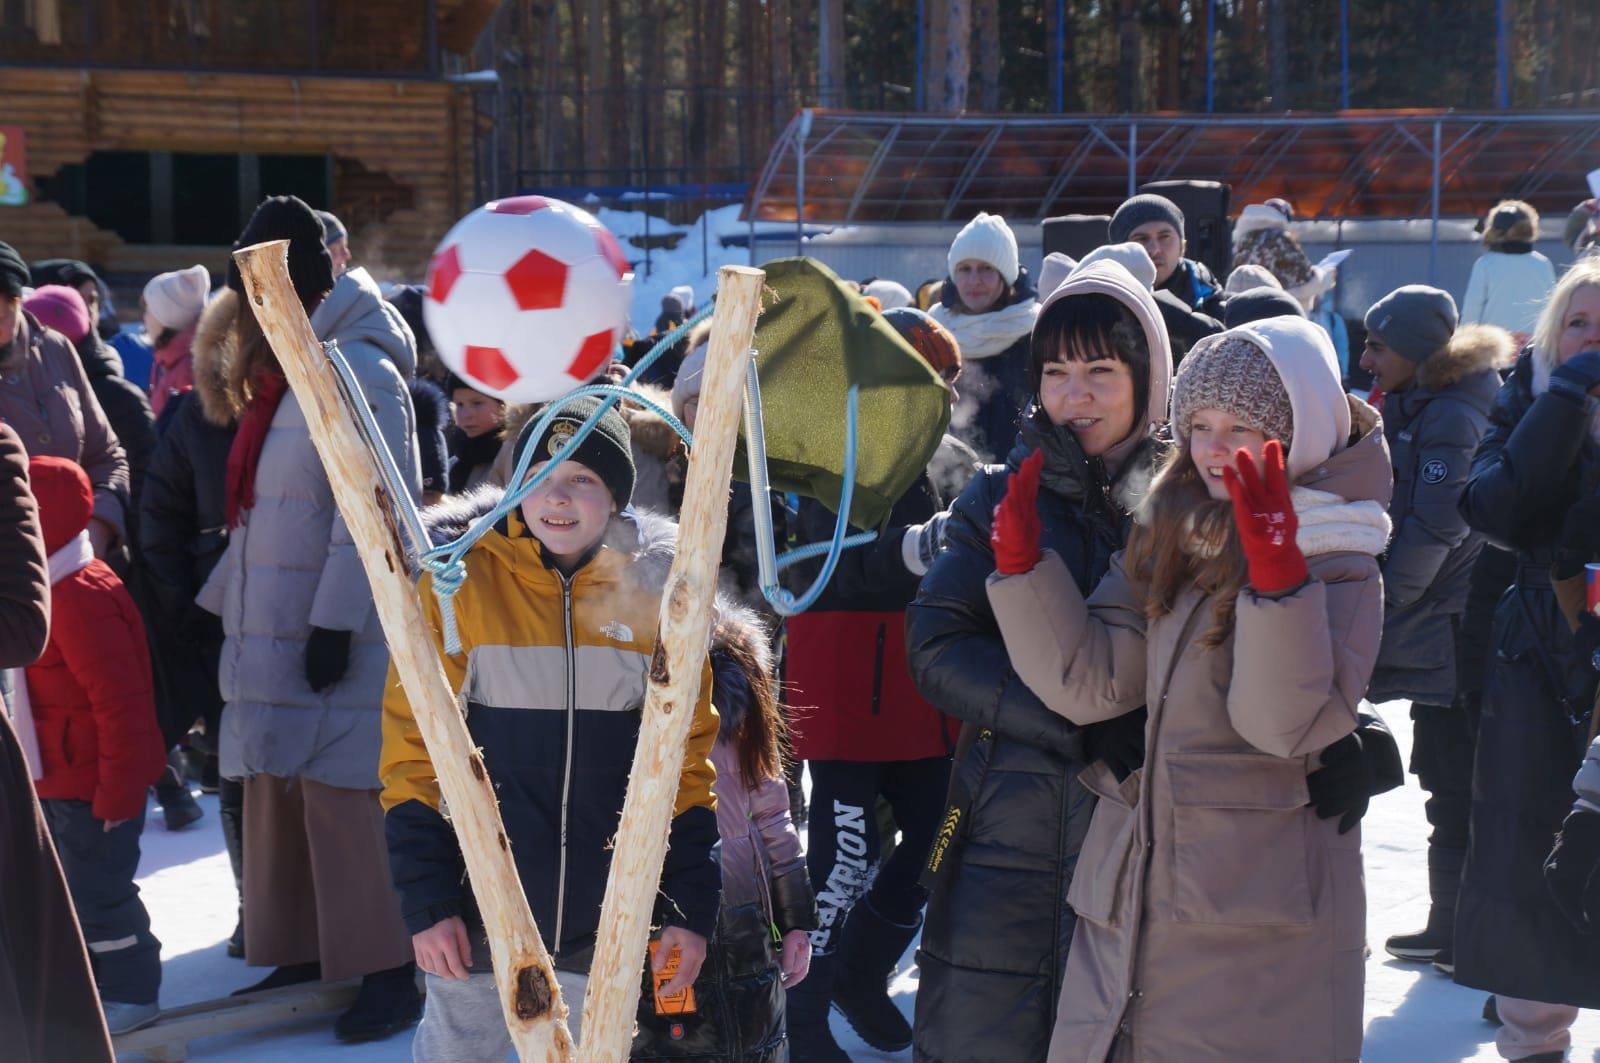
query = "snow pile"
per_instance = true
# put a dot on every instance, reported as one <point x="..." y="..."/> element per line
<point x="694" y="261"/>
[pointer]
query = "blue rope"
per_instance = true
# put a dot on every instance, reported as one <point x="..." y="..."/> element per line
<point x="447" y="565"/>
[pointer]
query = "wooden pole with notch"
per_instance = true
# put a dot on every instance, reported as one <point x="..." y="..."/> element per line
<point x="529" y="994"/>
<point x="682" y="639"/>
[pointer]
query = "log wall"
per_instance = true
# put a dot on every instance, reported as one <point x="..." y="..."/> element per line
<point x="415" y="133"/>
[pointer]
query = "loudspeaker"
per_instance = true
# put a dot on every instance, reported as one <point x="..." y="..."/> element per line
<point x="1205" y="207"/>
<point x="1074" y="234"/>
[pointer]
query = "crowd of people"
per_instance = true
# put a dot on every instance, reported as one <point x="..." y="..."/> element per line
<point x="1091" y="715"/>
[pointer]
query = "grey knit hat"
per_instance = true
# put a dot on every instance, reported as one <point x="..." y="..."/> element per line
<point x="1414" y="321"/>
<point x="1229" y="373"/>
<point x="1142" y="210"/>
<point x="332" y="226"/>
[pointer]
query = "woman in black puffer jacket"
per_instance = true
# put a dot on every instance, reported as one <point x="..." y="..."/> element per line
<point x="997" y="930"/>
<point x="1535" y="489"/>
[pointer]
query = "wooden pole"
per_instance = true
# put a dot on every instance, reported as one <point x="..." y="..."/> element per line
<point x="529" y="994"/>
<point x="683" y="636"/>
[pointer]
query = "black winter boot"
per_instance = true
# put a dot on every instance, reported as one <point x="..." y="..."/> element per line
<point x="230" y="809"/>
<point x="869" y="949"/>
<point x="178" y="806"/>
<point x="1444" y="883"/>
<point x="810" y="1039"/>
<point x="291" y="974"/>
<point x="387" y="1003"/>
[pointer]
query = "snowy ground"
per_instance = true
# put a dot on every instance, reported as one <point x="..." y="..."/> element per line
<point x="1414" y="1015"/>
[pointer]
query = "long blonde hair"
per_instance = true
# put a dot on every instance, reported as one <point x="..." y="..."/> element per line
<point x="1185" y="536"/>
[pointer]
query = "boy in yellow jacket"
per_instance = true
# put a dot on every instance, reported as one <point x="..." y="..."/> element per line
<point x="557" y="619"/>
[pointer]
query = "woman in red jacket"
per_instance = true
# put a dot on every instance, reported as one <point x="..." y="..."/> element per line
<point x="92" y="707"/>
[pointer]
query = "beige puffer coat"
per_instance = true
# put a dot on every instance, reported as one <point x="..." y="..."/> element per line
<point x="1219" y="918"/>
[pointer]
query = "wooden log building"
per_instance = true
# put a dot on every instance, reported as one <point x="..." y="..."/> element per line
<point x="151" y="131"/>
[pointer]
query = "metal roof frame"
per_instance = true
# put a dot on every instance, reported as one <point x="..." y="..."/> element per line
<point x="875" y="167"/>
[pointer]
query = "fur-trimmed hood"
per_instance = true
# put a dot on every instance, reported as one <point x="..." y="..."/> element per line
<point x="650" y="541"/>
<point x="1472" y="349"/>
<point x="211" y="352"/>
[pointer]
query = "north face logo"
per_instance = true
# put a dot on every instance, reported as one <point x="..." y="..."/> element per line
<point x="617" y="630"/>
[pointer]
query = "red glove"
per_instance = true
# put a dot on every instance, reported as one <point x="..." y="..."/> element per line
<point x="1015" y="533"/>
<point x="1265" y="515"/>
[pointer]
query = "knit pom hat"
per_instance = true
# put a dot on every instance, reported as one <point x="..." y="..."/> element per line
<point x="607" y="450"/>
<point x="176" y="299"/>
<point x="310" y="265"/>
<point x="1414" y="321"/>
<point x="927" y="337"/>
<point x="1142" y="210"/>
<point x="986" y="238"/>
<point x="61" y="308"/>
<point x="13" y="271"/>
<point x="1229" y="373"/>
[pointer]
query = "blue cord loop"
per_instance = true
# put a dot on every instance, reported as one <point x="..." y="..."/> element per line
<point x="446" y="564"/>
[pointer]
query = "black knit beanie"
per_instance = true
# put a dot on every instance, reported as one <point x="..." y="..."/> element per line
<point x="1258" y="304"/>
<point x="13" y="272"/>
<point x="310" y="265"/>
<point x="607" y="450"/>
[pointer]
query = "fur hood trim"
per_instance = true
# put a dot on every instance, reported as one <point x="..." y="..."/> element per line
<point x="1472" y="349"/>
<point x="650" y="432"/>
<point x="211" y="352"/>
<point x="650" y="540"/>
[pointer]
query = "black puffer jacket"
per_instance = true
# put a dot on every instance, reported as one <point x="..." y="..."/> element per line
<point x="998" y="926"/>
<point x="1534" y="464"/>
<point x="183" y="533"/>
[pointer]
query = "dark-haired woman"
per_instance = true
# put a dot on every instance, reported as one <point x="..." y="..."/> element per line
<point x="1218" y="917"/>
<point x="998" y="926"/>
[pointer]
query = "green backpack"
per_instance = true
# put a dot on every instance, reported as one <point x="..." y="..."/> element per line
<point x="814" y="339"/>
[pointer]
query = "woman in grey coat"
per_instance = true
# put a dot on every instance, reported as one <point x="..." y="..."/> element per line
<point x="304" y="661"/>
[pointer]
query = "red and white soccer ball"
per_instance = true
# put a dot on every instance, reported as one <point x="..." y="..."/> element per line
<point x="527" y="298"/>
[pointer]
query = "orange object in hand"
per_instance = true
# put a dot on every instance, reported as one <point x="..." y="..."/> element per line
<point x="679" y="1003"/>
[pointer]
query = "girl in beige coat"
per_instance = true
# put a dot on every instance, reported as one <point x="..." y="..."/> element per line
<point x="1219" y="917"/>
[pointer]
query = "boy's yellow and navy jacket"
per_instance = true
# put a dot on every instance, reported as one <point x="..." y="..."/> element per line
<point x="552" y="674"/>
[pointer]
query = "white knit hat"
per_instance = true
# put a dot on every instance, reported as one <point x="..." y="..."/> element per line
<point x="176" y="299"/>
<point x="986" y="238"/>
<point x="891" y="295"/>
<point x="1132" y="257"/>
<point x="685" y="295"/>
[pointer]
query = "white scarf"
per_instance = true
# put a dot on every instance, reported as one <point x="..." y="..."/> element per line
<point x="72" y="557"/>
<point x="1330" y="524"/>
<point x="986" y="335"/>
<point x="1327" y="524"/>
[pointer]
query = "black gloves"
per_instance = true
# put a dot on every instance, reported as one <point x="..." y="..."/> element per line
<point x="1569" y="870"/>
<point x="1118" y="742"/>
<point x="327" y="657"/>
<point x="1575" y="376"/>
<point x="1354" y="770"/>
